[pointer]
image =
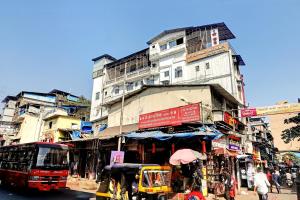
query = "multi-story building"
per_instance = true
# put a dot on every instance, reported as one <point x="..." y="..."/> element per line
<point x="262" y="139"/>
<point x="8" y="109"/>
<point x="190" y="55"/>
<point x="28" y="109"/>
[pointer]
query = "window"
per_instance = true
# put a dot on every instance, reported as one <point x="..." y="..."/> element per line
<point x="50" y="125"/>
<point x="153" y="64"/>
<point x="105" y="93"/>
<point x="172" y="43"/>
<point x="117" y="90"/>
<point x="179" y="41"/>
<point x="132" y="68"/>
<point x="136" y="84"/>
<point x="150" y="81"/>
<point x="207" y="65"/>
<point x="153" y="46"/>
<point x="165" y="82"/>
<point x="129" y="86"/>
<point x="178" y="72"/>
<point x="166" y="73"/>
<point x="197" y="68"/>
<point x="97" y="95"/>
<point x="163" y="47"/>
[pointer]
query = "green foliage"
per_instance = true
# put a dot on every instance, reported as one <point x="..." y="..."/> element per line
<point x="292" y="133"/>
<point x="291" y="156"/>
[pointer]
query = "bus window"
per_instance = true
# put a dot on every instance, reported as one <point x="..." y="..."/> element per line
<point x="52" y="157"/>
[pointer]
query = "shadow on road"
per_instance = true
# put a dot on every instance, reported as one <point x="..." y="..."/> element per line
<point x="13" y="193"/>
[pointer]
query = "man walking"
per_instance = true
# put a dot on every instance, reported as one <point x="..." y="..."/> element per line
<point x="275" y="180"/>
<point x="261" y="184"/>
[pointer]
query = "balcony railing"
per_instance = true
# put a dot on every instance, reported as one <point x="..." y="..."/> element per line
<point x="133" y="75"/>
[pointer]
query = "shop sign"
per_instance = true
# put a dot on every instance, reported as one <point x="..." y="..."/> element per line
<point x="228" y="119"/>
<point x="170" y="117"/>
<point x="248" y="112"/>
<point x="214" y="50"/>
<point x="233" y="147"/>
<point x="116" y="157"/>
<point x="219" y="143"/>
<point x="271" y="110"/>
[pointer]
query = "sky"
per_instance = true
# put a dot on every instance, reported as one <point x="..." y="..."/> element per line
<point x="50" y="44"/>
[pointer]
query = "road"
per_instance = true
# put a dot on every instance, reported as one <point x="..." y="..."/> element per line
<point x="65" y="194"/>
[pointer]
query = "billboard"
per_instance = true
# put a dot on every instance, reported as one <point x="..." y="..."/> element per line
<point x="271" y="110"/>
<point x="170" y="117"/>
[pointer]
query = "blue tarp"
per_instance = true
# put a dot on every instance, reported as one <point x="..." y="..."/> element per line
<point x="86" y="127"/>
<point x="102" y="127"/>
<point x="209" y="133"/>
<point x="75" y="135"/>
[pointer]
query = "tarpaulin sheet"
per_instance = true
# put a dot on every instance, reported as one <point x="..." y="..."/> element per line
<point x="209" y="133"/>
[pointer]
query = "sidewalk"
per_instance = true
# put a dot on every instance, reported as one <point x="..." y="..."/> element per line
<point x="82" y="185"/>
<point x="286" y="194"/>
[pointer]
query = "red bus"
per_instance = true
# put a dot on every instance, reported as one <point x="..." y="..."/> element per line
<point x="39" y="165"/>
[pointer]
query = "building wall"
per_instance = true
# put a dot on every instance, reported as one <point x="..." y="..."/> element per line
<point x="8" y="111"/>
<point x="63" y="122"/>
<point x="155" y="99"/>
<point x="29" y="129"/>
<point x="277" y="126"/>
<point x="95" y="108"/>
<point x="98" y="84"/>
<point x="60" y="122"/>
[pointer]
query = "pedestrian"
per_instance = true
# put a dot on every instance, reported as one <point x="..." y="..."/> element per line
<point x="197" y="175"/>
<point x="230" y="186"/>
<point x="227" y="184"/>
<point x="275" y="180"/>
<point x="261" y="184"/>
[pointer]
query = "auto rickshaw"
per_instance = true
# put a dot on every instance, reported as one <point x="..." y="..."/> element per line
<point x="134" y="181"/>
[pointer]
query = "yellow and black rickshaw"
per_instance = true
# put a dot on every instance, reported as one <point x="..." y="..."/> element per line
<point x="134" y="181"/>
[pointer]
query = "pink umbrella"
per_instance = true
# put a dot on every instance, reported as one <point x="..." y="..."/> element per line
<point x="185" y="156"/>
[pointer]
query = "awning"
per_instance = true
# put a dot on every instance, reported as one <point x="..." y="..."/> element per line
<point x="112" y="132"/>
<point x="222" y="151"/>
<point x="210" y="133"/>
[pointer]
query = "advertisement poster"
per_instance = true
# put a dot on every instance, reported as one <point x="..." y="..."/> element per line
<point x="116" y="157"/>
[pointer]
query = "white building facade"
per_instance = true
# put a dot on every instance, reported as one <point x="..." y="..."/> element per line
<point x="190" y="55"/>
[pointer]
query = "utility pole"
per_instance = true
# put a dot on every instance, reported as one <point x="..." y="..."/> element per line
<point x="122" y="109"/>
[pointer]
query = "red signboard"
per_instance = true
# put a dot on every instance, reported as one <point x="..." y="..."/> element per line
<point x="170" y="117"/>
<point x="248" y="112"/>
<point x="228" y="119"/>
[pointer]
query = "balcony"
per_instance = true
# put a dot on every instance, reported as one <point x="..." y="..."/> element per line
<point x="133" y="75"/>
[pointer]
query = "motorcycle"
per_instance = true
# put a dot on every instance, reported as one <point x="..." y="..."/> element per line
<point x="289" y="182"/>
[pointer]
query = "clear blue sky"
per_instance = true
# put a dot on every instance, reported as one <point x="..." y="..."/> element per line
<point x="50" y="44"/>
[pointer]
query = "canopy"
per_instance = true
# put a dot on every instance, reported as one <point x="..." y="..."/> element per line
<point x="208" y="132"/>
<point x="185" y="156"/>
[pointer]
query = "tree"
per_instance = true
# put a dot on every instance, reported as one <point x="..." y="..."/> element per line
<point x="290" y="156"/>
<point x="292" y="133"/>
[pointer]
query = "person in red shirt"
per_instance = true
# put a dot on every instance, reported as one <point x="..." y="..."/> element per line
<point x="196" y="194"/>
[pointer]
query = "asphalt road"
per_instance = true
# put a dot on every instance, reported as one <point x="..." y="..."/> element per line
<point x="8" y="193"/>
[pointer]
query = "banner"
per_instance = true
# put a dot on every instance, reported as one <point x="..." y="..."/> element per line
<point x="214" y="34"/>
<point x="271" y="110"/>
<point x="170" y="117"/>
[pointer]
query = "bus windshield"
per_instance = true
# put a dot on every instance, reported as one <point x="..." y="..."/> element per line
<point x="52" y="158"/>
